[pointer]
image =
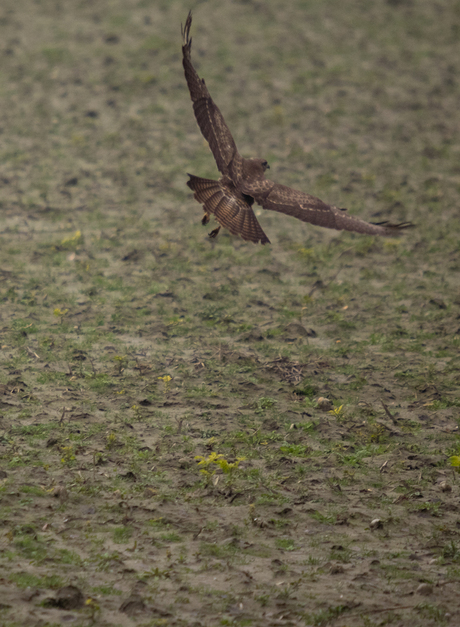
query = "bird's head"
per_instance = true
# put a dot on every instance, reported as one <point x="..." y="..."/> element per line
<point x="255" y="168"/>
<point x="264" y="164"/>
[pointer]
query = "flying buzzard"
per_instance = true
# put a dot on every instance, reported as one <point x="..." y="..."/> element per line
<point x="243" y="181"/>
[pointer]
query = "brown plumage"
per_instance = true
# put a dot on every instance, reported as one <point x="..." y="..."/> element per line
<point x="243" y="181"/>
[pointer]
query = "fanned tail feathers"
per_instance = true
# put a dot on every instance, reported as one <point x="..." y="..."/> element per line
<point x="231" y="212"/>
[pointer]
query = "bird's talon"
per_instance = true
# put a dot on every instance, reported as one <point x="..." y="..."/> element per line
<point x="214" y="233"/>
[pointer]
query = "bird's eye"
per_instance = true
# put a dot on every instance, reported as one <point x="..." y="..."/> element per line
<point x="265" y="164"/>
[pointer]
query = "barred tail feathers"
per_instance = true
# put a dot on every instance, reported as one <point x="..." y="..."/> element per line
<point x="233" y="213"/>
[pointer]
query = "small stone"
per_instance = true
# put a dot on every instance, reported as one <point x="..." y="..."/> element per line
<point x="133" y="605"/>
<point x="297" y="330"/>
<point x="129" y="476"/>
<point x="445" y="487"/>
<point x="67" y="598"/>
<point x="425" y="589"/>
<point x="324" y="404"/>
<point x="336" y="569"/>
<point x="60" y="492"/>
<point x="438" y="302"/>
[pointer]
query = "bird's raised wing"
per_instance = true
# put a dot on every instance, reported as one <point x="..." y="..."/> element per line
<point x="231" y="210"/>
<point x="209" y="118"/>
<point x="310" y="209"/>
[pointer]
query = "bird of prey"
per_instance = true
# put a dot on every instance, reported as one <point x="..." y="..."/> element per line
<point x="243" y="181"/>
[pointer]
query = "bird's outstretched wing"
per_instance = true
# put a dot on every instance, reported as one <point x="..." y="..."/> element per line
<point x="313" y="210"/>
<point x="209" y="118"/>
<point x="231" y="210"/>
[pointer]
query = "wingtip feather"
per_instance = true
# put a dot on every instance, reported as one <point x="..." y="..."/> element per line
<point x="185" y="31"/>
<point x="395" y="227"/>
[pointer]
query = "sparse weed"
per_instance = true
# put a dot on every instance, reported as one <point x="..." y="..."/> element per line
<point x="67" y="455"/>
<point x="208" y="465"/>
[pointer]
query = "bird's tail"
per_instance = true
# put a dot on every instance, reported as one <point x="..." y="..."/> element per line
<point x="233" y="213"/>
<point x="205" y="191"/>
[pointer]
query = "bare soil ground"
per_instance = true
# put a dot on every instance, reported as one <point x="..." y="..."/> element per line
<point x="200" y="432"/>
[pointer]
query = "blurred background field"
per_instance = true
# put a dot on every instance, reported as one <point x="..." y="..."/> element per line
<point x="131" y="343"/>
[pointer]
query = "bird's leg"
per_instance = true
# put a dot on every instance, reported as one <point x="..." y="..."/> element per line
<point x="205" y="219"/>
<point x="215" y="232"/>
